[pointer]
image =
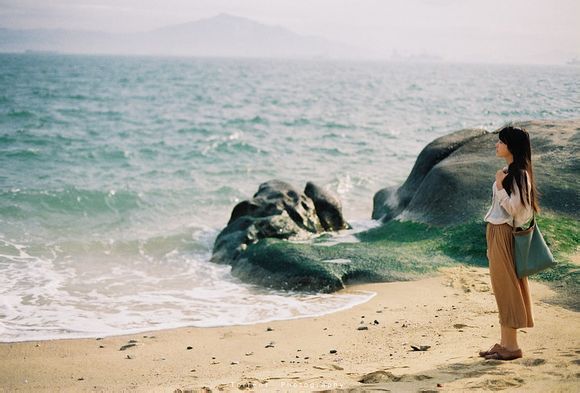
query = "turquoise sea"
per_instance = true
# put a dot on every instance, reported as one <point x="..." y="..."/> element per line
<point x="117" y="173"/>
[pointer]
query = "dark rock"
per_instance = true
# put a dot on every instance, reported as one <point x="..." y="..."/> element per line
<point x="451" y="180"/>
<point x="328" y="208"/>
<point x="390" y="201"/>
<point x="127" y="346"/>
<point x="277" y="211"/>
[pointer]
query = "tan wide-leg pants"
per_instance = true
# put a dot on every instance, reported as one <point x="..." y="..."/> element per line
<point x="511" y="293"/>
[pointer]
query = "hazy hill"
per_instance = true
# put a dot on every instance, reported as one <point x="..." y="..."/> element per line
<point x="222" y="35"/>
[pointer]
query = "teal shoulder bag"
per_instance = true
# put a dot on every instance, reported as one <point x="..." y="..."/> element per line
<point x="532" y="254"/>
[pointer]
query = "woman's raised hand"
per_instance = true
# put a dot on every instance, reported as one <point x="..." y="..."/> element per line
<point x="499" y="176"/>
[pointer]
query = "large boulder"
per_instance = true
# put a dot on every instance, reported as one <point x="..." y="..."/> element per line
<point x="391" y="201"/>
<point x="277" y="210"/>
<point x="452" y="177"/>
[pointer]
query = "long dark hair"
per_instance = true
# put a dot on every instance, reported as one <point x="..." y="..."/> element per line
<point x="518" y="143"/>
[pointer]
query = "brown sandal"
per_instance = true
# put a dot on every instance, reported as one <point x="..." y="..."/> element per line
<point x="504" y="354"/>
<point x="492" y="350"/>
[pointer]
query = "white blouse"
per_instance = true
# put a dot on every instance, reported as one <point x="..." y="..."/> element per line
<point x="509" y="209"/>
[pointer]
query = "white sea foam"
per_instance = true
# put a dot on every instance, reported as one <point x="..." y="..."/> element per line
<point x="51" y="298"/>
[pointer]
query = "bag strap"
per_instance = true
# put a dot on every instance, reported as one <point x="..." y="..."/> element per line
<point x="532" y="223"/>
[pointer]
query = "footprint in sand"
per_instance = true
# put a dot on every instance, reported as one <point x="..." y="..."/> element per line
<point x="249" y="383"/>
<point x="532" y="362"/>
<point x="385" y="376"/>
<point x="498" y="384"/>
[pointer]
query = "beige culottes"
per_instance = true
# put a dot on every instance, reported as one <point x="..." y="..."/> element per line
<point x="512" y="294"/>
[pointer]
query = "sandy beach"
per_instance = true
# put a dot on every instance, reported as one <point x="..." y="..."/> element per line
<point x="365" y="348"/>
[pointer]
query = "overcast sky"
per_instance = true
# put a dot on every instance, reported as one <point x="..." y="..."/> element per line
<point x="527" y="31"/>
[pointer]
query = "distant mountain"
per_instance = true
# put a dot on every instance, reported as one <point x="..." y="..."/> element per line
<point x="222" y="35"/>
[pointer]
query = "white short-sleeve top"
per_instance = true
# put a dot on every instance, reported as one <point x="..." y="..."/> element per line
<point x="508" y="209"/>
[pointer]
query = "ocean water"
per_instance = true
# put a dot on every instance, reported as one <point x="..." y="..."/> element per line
<point x="117" y="173"/>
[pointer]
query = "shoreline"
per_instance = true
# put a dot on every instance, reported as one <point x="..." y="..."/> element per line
<point x="169" y="328"/>
<point x="454" y="313"/>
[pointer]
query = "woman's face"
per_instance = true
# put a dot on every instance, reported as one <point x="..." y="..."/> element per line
<point x="501" y="149"/>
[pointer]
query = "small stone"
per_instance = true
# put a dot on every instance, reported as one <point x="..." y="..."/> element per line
<point x="127" y="346"/>
<point x="233" y="363"/>
<point x="188" y="348"/>
<point x="420" y="347"/>
<point x="439" y="385"/>
<point x="249" y="353"/>
<point x="80" y="379"/>
<point x="333" y="351"/>
<point x="246" y="385"/>
<point x="362" y="328"/>
<point x="132" y="341"/>
<point x="269" y="345"/>
<point x="269" y="329"/>
<point x="101" y="346"/>
<point x="129" y="357"/>
<point x="376" y="322"/>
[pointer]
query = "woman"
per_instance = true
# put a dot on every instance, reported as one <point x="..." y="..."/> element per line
<point x="514" y="201"/>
